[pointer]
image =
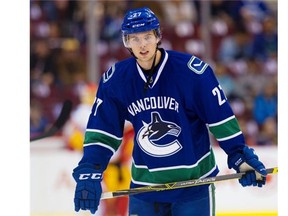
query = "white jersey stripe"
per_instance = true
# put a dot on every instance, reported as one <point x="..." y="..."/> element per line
<point x="100" y="144"/>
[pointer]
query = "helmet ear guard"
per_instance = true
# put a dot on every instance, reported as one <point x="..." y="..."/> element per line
<point x="125" y="40"/>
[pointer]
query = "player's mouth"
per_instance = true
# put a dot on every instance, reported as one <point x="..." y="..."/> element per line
<point x="144" y="53"/>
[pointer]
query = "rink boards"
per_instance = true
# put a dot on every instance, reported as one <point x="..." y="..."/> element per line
<point x="52" y="186"/>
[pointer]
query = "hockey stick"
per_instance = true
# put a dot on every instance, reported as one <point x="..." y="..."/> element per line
<point x="177" y="185"/>
<point x="59" y="123"/>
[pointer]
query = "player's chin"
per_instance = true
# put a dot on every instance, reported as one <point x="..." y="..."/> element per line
<point x="145" y="57"/>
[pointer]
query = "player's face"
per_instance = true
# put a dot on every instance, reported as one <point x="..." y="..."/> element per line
<point x="143" y="46"/>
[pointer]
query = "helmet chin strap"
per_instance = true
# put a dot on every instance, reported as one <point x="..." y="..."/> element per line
<point x="130" y="50"/>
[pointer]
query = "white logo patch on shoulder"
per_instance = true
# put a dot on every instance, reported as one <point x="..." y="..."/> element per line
<point x="108" y="74"/>
<point x="197" y="65"/>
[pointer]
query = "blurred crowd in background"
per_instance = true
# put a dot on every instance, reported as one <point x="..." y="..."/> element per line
<point x="243" y="55"/>
<point x="242" y="52"/>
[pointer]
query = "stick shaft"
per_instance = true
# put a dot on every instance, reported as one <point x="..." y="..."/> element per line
<point x="177" y="185"/>
<point x="59" y="123"/>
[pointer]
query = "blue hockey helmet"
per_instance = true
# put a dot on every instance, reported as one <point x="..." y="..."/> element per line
<point x="139" y="20"/>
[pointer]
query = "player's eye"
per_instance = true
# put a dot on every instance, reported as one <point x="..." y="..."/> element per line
<point x="135" y="40"/>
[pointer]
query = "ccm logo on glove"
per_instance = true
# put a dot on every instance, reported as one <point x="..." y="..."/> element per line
<point x="85" y="176"/>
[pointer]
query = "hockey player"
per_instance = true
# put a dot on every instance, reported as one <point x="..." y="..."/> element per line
<point x="172" y="100"/>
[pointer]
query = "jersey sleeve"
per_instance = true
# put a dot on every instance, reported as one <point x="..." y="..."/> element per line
<point x="104" y="131"/>
<point x="213" y="108"/>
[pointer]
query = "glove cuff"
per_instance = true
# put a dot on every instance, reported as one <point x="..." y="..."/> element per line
<point x="87" y="172"/>
<point x="235" y="161"/>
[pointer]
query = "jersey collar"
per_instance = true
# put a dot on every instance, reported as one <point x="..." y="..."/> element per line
<point x="159" y="69"/>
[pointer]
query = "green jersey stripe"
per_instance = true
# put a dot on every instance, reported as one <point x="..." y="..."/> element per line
<point x="101" y="138"/>
<point x="222" y="122"/>
<point x="226" y="129"/>
<point x="230" y="137"/>
<point x="100" y="144"/>
<point x="145" y="176"/>
<point x="104" y="132"/>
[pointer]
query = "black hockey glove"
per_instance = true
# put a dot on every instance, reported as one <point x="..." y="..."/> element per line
<point x="247" y="161"/>
<point x="88" y="189"/>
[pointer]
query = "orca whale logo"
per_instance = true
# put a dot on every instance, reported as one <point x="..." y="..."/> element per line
<point x="151" y="136"/>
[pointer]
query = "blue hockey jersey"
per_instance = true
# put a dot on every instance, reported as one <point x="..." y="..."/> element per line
<point x="171" y="120"/>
